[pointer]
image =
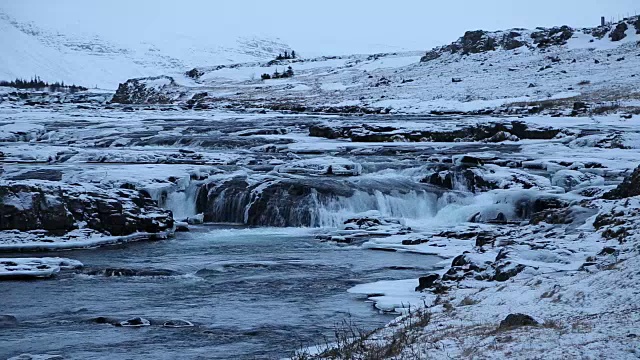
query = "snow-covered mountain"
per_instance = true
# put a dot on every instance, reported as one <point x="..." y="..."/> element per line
<point x="91" y="60"/>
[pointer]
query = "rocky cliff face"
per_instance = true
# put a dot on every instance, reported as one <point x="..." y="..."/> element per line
<point x="479" y="41"/>
<point x="60" y="208"/>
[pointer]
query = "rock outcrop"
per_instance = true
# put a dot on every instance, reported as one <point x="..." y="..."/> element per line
<point x="490" y="132"/>
<point x="629" y="187"/>
<point x="60" y="208"/>
<point x="154" y="90"/>
<point x="479" y="41"/>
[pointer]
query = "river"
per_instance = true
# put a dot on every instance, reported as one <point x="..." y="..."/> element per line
<point x="252" y="293"/>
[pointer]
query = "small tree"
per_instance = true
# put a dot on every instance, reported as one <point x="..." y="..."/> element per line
<point x="293" y="54"/>
<point x="288" y="73"/>
<point x="265" y="76"/>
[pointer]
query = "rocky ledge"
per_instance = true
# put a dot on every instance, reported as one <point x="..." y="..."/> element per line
<point x="479" y="41"/>
<point x="52" y="215"/>
<point x="489" y="132"/>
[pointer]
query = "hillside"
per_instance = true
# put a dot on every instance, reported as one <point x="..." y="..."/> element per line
<point x="482" y="70"/>
<point x="88" y="59"/>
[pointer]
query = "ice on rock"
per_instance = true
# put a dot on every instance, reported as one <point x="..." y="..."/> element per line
<point x="135" y="322"/>
<point x="17" y="268"/>
<point x="321" y="166"/>
<point x="573" y="179"/>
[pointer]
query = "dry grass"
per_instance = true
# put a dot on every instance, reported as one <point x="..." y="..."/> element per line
<point x="468" y="301"/>
<point x="349" y="342"/>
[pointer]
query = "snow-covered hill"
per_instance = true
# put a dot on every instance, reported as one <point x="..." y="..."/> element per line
<point x="88" y="59"/>
<point x="482" y="70"/>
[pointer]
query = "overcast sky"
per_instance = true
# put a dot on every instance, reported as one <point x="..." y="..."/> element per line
<point x="326" y="26"/>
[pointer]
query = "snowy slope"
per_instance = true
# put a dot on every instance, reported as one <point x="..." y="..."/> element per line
<point x="87" y="59"/>
<point x="490" y="69"/>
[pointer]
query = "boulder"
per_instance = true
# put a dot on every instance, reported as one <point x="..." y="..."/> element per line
<point x="478" y="41"/>
<point x="513" y="321"/>
<point x="8" y="321"/>
<point x="427" y="282"/>
<point x="506" y="271"/>
<point x="135" y="322"/>
<point x="154" y="90"/>
<point x="620" y="32"/>
<point x="629" y="187"/>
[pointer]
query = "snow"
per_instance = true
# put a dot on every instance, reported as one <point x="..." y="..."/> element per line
<point x="15" y="241"/>
<point x="88" y="59"/>
<point x="393" y="296"/>
<point x="11" y="268"/>
<point x="586" y="297"/>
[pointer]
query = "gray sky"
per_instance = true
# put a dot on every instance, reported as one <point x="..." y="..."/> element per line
<point x="328" y="26"/>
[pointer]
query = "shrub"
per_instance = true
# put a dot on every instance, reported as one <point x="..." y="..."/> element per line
<point x="37" y="83"/>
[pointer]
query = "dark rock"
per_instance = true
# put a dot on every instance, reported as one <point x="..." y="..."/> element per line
<point x="182" y="227"/>
<point x="507" y="271"/>
<point x="283" y="203"/>
<point x="620" y="32"/>
<point x="427" y="282"/>
<point x="8" y="321"/>
<point x="630" y="187"/>
<point x="580" y="106"/>
<point x="509" y="41"/>
<point x="58" y="208"/>
<point x="135" y="322"/>
<point x="478" y="41"/>
<point x="194" y="73"/>
<point x="40" y="174"/>
<point x="468" y="160"/>
<point x="513" y="321"/>
<point x="125" y="272"/>
<point x="460" y="260"/>
<point x="366" y="133"/>
<point x="105" y="320"/>
<point x="429" y="56"/>
<point x="608" y="251"/>
<point x="414" y="242"/>
<point x="556" y="36"/>
<point x="136" y="91"/>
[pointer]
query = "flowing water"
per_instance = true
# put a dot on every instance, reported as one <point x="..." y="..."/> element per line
<point x="251" y="293"/>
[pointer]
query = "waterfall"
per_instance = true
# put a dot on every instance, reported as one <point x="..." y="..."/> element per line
<point x="413" y="205"/>
<point x="329" y="202"/>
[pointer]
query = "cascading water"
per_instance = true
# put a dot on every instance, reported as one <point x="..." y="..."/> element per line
<point x="322" y="202"/>
<point x="413" y="205"/>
